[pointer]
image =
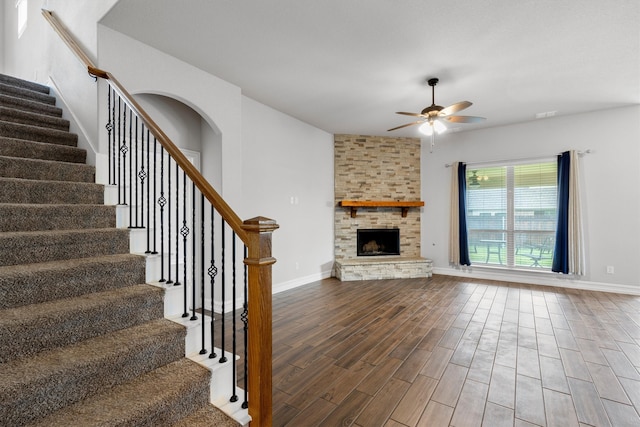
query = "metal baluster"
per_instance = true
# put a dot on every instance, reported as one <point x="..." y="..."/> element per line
<point x="203" y="350"/>
<point x="169" y="281"/>
<point x="142" y="175"/>
<point x="177" y="283"/>
<point x="245" y="319"/>
<point x="109" y="127"/>
<point x="130" y="169"/>
<point x="162" y="202"/>
<point x="148" y="140"/>
<point x="193" y="252"/>
<point x="119" y="149"/>
<point x="213" y="272"/>
<point x="185" y="232"/>
<point x="155" y="193"/>
<point x="223" y="358"/>
<point x="234" y="396"/>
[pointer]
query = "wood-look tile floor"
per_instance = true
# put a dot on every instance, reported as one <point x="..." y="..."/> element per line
<point x="448" y="351"/>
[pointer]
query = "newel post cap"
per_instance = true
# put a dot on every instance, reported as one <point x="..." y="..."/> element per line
<point x="260" y="224"/>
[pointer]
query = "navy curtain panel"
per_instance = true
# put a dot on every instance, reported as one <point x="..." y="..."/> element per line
<point x="462" y="214"/>
<point x="560" y="262"/>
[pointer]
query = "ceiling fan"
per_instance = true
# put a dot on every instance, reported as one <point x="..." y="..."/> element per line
<point x="433" y="117"/>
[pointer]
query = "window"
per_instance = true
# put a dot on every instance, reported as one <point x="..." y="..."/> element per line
<point x="22" y="7"/>
<point x="512" y="214"/>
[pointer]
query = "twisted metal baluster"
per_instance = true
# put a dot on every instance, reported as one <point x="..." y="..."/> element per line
<point x="162" y="202"/>
<point x="193" y="252"/>
<point x="245" y="320"/>
<point x="177" y="282"/>
<point x="234" y="396"/>
<point x="185" y="232"/>
<point x="203" y="350"/>
<point x="142" y="174"/>
<point x="223" y="357"/>
<point x="109" y="127"/>
<point x="169" y="281"/>
<point x="213" y="272"/>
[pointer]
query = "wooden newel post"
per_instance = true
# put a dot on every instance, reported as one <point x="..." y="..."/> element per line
<point x="259" y="262"/>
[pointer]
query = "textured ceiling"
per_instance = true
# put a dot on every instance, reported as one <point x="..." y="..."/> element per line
<point x="345" y="66"/>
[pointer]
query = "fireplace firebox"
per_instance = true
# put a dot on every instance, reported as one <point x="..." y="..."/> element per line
<point x="378" y="241"/>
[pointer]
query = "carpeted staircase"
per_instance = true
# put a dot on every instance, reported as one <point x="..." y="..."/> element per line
<point x="83" y="341"/>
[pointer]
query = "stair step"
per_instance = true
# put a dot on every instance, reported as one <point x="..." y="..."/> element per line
<point x="37" y="134"/>
<point x="49" y="281"/>
<point x="31" y="118"/>
<point x="40" y="217"/>
<point x="207" y="416"/>
<point x="170" y="393"/>
<point x="30" y="105"/>
<point x="32" y="388"/>
<point x="44" y="246"/>
<point x="70" y="320"/>
<point x="18" y="190"/>
<point x="46" y="170"/>
<point x="12" y="147"/>
<point x="25" y="93"/>
<point x="15" y="81"/>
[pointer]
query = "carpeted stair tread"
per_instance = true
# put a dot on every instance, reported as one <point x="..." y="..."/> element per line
<point x="40" y="217"/>
<point x="31" y="118"/>
<point x="38" y="134"/>
<point x="30" y="329"/>
<point x="42" y="246"/>
<point x="25" y="93"/>
<point x="15" y="81"/>
<point x="12" y="147"/>
<point x="26" y="284"/>
<point x="171" y="392"/>
<point x="207" y="416"/>
<point x="32" y="388"/>
<point x="19" y="190"/>
<point x="46" y="170"/>
<point x="29" y="105"/>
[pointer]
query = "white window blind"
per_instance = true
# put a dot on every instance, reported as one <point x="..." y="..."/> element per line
<point x="512" y="214"/>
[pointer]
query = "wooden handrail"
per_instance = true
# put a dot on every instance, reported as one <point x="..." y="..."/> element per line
<point x="66" y="37"/>
<point x="203" y="185"/>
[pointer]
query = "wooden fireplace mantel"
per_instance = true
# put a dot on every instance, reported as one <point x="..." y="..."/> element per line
<point x="403" y="204"/>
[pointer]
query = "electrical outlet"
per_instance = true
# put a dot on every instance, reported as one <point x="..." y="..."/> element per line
<point x="610" y="269"/>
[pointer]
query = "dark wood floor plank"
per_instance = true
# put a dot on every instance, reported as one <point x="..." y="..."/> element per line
<point x="436" y="415"/>
<point x="345" y="414"/>
<point x="382" y="405"/>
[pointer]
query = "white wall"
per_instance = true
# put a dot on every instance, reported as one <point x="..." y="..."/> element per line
<point x="289" y="177"/>
<point x="610" y="189"/>
<point x="40" y="55"/>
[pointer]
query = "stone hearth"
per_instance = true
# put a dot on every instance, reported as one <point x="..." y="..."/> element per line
<point x="382" y="169"/>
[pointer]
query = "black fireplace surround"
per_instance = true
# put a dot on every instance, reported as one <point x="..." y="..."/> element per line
<point x="378" y="241"/>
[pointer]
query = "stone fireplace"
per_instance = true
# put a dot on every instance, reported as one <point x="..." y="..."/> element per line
<point x="377" y="187"/>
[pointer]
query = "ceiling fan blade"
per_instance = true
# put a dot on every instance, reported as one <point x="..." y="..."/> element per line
<point x="464" y="119"/>
<point x="454" y="108"/>
<point x="410" y="114"/>
<point x="404" y="126"/>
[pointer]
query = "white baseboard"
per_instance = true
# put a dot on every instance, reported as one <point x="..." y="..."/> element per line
<point x="538" y="278"/>
<point x="300" y="281"/>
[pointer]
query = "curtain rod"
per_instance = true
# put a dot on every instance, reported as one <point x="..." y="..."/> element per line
<point x="580" y="153"/>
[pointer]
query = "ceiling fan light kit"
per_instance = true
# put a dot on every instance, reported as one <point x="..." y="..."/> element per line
<point x="432" y="117"/>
